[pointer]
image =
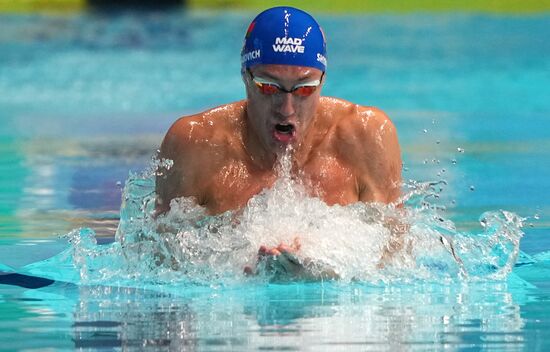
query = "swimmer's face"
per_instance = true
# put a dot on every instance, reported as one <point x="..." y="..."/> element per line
<point x="279" y="118"/>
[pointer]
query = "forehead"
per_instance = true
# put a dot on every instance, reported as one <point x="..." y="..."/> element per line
<point x="286" y="72"/>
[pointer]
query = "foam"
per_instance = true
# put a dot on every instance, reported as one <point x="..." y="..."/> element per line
<point x="186" y="245"/>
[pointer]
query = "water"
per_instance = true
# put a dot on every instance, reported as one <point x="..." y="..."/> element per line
<point x="86" y="98"/>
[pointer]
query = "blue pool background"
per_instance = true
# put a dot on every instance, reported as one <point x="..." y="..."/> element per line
<point x="87" y="97"/>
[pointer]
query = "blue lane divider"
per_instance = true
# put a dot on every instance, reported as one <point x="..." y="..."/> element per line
<point x="25" y="281"/>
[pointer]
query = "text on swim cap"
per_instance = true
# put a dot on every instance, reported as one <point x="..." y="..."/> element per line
<point x="292" y="45"/>
<point x="322" y="59"/>
<point x="251" y="55"/>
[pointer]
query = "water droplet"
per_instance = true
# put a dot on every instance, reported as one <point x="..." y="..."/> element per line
<point x="453" y="161"/>
<point x="443" y="170"/>
<point x="118" y="183"/>
<point x="437" y="142"/>
<point x="536" y="217"/>
<point x="453" y="201"/>
<point x="425" y="161"/>
<point x="425" y="130"/>
<point x="531" y="225"/>
<point x="472" y="188"/>
<point x="460" y="150"/>
<point x="405" y="169"/>
<point x="433" y="121"/>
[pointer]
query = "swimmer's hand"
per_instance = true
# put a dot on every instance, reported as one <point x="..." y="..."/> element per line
<point x="282" y="263"/>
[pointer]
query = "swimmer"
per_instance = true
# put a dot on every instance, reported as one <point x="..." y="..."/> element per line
<point x="222" y="157"/>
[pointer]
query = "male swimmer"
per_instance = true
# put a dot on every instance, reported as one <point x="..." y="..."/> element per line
<point x="222" y="157"/>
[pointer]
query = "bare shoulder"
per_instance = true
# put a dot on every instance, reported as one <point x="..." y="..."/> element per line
<point x="195" y="145"/>
<point x="191" y="133"/>
<point x="357" y="124"/>
<point x="366" y="139"/>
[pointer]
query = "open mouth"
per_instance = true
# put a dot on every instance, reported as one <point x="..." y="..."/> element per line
<point x="284" y="128"/>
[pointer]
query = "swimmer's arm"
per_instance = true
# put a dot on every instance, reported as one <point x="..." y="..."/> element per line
<point x="380" y="166"/>
<point x="179" y="180"/>
<point x="378" y="158"/>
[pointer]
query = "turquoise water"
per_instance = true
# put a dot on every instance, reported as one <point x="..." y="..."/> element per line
<point x="86" y="98"/>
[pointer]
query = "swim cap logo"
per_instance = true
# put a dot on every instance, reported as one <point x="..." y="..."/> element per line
<point x="288" y="45"/>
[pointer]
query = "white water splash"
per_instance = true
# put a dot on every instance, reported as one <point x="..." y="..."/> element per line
<point x="187" y="245"/>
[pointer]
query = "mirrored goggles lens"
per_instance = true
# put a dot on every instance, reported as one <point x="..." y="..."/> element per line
<point x="270" y="88"/>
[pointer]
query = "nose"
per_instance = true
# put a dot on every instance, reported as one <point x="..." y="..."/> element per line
<point x="286" y="107"/>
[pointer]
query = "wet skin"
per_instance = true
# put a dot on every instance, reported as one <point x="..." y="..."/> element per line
<point x="343" y="152"/>
<point x="222" y="157"/>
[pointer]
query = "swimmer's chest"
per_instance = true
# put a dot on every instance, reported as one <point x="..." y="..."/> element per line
<point x="234" y="183"/>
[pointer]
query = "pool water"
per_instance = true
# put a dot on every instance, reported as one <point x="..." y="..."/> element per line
<point x="87" y="97"/>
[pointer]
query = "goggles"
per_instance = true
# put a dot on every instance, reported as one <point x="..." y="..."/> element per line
<point x="269" y="88"/>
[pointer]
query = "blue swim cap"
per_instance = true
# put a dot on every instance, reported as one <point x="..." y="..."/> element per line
<point x="285" y="36"/>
